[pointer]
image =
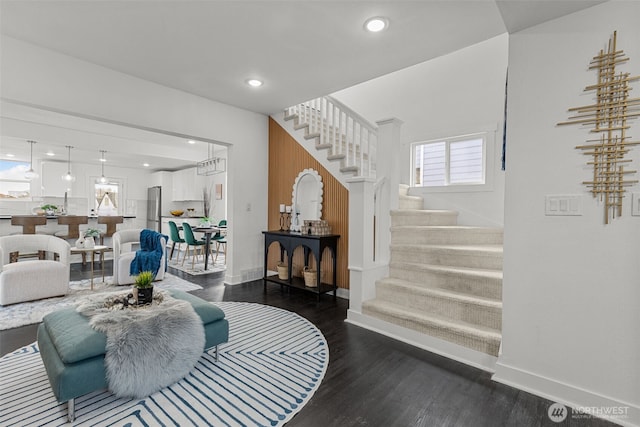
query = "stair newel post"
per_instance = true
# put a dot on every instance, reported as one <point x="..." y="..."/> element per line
<point x="363" y="273"/>
<point x="388" y="148"/>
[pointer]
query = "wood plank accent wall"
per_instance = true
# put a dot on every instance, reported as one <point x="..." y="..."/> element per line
<point x="286" y="160"/>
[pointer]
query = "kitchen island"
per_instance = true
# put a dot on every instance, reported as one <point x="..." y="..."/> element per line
<point x="52" y="225"/>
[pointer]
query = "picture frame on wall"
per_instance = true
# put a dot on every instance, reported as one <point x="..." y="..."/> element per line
<point x="218" y="191"/>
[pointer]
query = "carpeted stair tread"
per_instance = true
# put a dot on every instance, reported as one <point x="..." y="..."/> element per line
<point x="418" y="217"/>
<point x="425" y="212"/>
<point x="488" y="250"/>
<point x="477" y="337"/>
<point x="410" y="202"/>
<point x="450" y="228"/>
<point x="473" y="256"/>
<point x="407" y="286"/>
<point x="478" y="272"/>
<point x="455" y="325"/>
<point x="408" y="197"/>
<point x="472" y="281"/>
<point x="437" y="234"/>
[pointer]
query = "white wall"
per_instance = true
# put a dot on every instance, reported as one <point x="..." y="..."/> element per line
<point x="459" y="93"/>
<point x="571" y="290"/>
<point x="42" y="77"/>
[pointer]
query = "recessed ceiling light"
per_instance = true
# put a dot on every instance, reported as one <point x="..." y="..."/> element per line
<point x="377" y="24"/>
<point x="50" y="153"/>
<point x="146" y="165"/>
<point x="10" y="155"/>
<point x="191" y="141"/>
<point x="254" y="82"/>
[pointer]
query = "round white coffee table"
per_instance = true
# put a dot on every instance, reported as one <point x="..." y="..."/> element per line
<point x="96" y="249"/>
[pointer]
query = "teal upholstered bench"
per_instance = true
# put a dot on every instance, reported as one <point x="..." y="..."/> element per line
<point x="73" y="352"/>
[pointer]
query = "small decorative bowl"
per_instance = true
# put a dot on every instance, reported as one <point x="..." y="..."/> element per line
<point x="176" y="213"/>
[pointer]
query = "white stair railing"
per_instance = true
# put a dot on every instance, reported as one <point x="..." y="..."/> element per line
<point x="349" y="137"/>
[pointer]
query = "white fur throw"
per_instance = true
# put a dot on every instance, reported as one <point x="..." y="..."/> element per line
<point x="147" y="348"/>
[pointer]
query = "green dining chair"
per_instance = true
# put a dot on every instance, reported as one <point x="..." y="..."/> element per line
<point x="221" y="240"/>
<point x="175" y="238"/>
<point x="192" y="243"/>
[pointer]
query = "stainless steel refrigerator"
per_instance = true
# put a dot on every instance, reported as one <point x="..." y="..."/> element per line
<point x="154" y="208"/>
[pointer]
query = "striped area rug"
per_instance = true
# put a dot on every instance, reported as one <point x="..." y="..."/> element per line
<point x="271" y="366"/>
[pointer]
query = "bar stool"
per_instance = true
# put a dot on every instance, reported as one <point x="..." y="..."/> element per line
<point x="112" y="223"/>
<point x="73" y="223"/>
<point x="28" y="223"/>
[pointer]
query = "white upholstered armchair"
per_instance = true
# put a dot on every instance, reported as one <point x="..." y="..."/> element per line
<point x="124" y="243"/>
<point x="33" y="279"/>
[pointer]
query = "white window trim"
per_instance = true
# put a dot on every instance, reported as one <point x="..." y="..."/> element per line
<point x="489" y="150"/>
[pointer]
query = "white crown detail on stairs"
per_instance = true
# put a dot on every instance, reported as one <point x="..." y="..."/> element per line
<point x="444" y="280"/>
<point x="347" y="137"/>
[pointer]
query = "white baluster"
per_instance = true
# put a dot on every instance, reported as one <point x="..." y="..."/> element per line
<point x="336" y="136"/>
<point x="353" y="142"/>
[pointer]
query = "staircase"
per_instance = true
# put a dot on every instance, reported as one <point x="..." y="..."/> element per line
<point x="444" y="287"/>
<point x="347" y="137"/>
<point x="444" y="280"/>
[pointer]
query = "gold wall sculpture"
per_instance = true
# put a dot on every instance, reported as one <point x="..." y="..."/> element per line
<point x="609" y="118"/>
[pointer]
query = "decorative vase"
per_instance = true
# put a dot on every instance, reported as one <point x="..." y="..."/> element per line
<point x="145" y="295"/>
<point x="80" y="242"/>
<point x="89" y="243"/>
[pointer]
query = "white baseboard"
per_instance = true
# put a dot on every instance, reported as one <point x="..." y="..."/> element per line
<point x="577" y="398"/>
<point x="444" y="348"/>
<point x="343" y="293"/>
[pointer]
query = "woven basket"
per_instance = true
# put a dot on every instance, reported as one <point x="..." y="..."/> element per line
<point x="310" y="278"/>
<point x="283" y="271"/>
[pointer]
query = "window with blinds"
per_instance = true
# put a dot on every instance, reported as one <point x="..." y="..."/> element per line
<point x="450" y="161"/>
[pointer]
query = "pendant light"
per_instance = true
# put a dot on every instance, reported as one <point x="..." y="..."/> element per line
<point x="68" y="177"/>
<point x="103" y="179"/>
<point x="31" y="174"/>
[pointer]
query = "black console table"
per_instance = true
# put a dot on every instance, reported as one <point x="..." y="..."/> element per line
<point x="313" y="245"/>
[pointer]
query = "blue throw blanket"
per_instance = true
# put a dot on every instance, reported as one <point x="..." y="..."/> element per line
<point x="150" y="253"/>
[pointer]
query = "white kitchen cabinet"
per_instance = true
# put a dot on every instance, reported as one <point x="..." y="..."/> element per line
<point x="188" y="185"/>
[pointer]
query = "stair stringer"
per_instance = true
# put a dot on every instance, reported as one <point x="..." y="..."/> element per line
<point x="310" y="146"/>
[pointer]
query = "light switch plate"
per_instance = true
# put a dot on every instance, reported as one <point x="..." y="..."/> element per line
<point x="563" y="205"/>
<point x="635" y="204"/>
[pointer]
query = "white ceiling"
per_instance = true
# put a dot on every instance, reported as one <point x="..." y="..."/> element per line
<point x="301" y="49"/>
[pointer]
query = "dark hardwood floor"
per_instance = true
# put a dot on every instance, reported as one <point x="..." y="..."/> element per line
<point x="372" y="380"/>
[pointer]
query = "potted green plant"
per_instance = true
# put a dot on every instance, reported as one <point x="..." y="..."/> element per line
<point x="206" y="221"/>
<point x="143" y="287"/>
<point x="89" y="235"/>
<point x="49" y="209"/>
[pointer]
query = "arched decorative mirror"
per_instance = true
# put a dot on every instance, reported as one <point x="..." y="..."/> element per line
<point x="307" y="195"/>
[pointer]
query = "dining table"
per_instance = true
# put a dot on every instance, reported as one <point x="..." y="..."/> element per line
<point x="208" y="232"/>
